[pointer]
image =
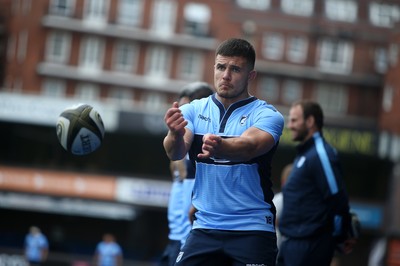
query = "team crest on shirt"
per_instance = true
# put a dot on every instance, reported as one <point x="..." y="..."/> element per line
<point x="179" y="256"/>
<point x="243" y="120"/>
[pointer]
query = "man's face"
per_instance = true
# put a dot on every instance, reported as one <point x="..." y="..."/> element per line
<point x="297" y="124"/>
<point x="231" y="76"/>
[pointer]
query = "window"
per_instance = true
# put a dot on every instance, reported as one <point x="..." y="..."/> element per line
<point x="22" y="45"/>
<point x="154" y="101"/>
<point x="58" y="47"/>
<point x="125" y="56"/>
<point x="91" y="54"/>
<point x="197" y="18"/>
<point x="273" y="46"/>
<point x="297" y="49"/>
<point x="158" y="62"/>
<point x="269" y="89"/>
<point x="296" y="7"/>
<point x="87" y="92"/>
<point x="326" y="92"/>
<point x="384" y="15"/>
<point x="393" y="54"/>
<point x="341" y="10"/>
<point x="387" y="99"/>
<point x="54" y="88"/>
<point x="130" y="12"/>
<point x="254" y="4"/>
<point x="381" y="60"/>
<point x="62" y="7"/>
<point x="292" y="91"/>
<point x="163" y="17"/>
<point x="96" y="11"/>
<point x="335" y="56"/>
<point x="191" y="65"/>
<point x="121" y="96"/>
<point x="11" y="48"/>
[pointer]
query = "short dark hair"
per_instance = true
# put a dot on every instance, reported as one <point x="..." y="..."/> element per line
<point x="237" y="47"/>
<point x="312" y="108"/>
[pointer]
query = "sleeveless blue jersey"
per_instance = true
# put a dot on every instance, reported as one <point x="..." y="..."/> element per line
<point x="232" y="195"/>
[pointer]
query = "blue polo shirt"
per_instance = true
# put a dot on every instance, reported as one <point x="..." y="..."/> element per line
<point x="232" y="195"/>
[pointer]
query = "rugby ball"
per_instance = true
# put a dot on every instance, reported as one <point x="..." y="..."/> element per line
<point x="80" y="129"/>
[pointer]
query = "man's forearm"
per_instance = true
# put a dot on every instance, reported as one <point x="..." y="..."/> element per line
<point x="174" y="146"/>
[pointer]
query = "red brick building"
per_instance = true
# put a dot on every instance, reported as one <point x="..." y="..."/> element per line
<point x="131" y="58"/>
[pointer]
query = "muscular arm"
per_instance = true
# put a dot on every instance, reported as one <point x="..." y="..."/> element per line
<point x="252" y="143"/>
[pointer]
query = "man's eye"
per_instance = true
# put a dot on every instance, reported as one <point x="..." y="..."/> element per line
<point x="236" y="69"/>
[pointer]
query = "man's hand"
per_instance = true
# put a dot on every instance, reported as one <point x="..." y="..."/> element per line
<point x="211" y="144"/>
<point x="175" y="121"/>
<point x="174" y="142"/>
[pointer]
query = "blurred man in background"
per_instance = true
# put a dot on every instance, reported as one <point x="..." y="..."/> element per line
<point x="108" y="252"/>
<point x="36" y="247"/>
<point x="315" y="219"/>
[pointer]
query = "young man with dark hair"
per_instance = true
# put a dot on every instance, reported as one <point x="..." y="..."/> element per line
<point x="231" y="137"/>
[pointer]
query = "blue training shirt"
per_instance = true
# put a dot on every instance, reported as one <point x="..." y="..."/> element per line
<point x="232" y="195"/>
<point x="108" y="252"/>
<point x="175" y="210"/>
<point x="34" y="245"/>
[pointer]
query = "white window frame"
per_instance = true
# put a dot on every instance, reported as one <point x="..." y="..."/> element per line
<point x="96" y="12"/>
<point x="124" y="96"/>
<point x="158" y="62"/>
<point x="197" y="18"/>
<point x="254" y="4"/>
<point x="163" y="17"/>
<point x="292" y="90"/>
<point x="54" y="88"/>
<point x="324" y="94"/>
<point x="341" y="10"/>
<point x="125" y="56"/>
<point x="335" y="56"/>
<point x="62" y="7"/>
<point x="58" y="47"/>
<point x="273" y="46"/>
<point x="191" y="65"/>
<point x="91" y="54"/>
<point x="298" y="7"/>
<point x="297" y="49"/>
<point x="269" y="89"/>
<point x="130" y="12"/>
<point x="87" y="92"/>
<point x="384" y="15"/>
<point x="154" y="101"/>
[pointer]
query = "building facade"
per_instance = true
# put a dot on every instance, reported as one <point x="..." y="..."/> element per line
<point x="130" y="58"/>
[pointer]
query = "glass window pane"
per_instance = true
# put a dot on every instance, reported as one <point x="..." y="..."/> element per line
<point x="326" y="92"/>
<point x="269" y="89"/>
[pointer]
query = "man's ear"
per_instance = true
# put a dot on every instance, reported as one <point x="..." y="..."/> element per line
<point x="252" y="75"/>
<point x="310" y="122"/>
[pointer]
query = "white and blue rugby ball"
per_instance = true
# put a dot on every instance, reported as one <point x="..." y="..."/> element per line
<point x="80" y="129"/>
